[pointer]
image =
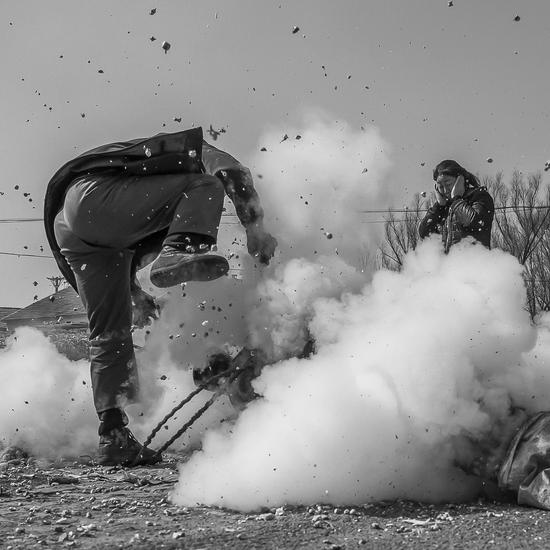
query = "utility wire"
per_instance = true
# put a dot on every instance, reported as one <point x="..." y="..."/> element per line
<point x="374" y="211"/>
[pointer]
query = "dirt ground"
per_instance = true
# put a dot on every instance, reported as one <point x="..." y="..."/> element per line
<point x="77" y="504"/>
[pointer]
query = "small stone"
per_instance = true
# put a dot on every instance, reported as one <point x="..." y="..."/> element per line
<point x="295" y="29"/>
<point x="489" y="160"/>
<point x="166" y="46"/>
<point x="517" y="18"/>
<point x="178" y="535"/>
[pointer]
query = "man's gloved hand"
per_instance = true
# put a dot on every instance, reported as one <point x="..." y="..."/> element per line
<point x="439" y="196"/>
<point x="145" y="308"/>
<point x="260" y="243"/>
<point x="459" y="188"/>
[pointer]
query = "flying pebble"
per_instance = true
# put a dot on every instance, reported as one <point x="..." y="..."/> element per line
<point x="295" y="29"/>
<point x="489" y="160"/>
<point x="166" y="46"/>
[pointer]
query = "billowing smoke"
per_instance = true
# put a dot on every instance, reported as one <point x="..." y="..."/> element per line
<point x="46" y="400"/>
<point x="411" y="373"/>
<point x="315" y="184"/>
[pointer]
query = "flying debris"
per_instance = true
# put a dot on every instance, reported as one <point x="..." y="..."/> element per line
<point x="328" y="235"/>
<point x="365" y="170"/>
<point x="152" y="39"/>
<point x="517" y="18"/>
<point x="35" y="283"/>
<point x="285" y="137"/>
<point x="166" y="46"/>
<point x="215" y="133"/>
<point x="547" y="166"/>
<point x="153" y="11"/>
<point x="295" y="29"/>
<point x="450" y="3"/>
<point x="83" y="115"/>
<point x="423" y="193"/>
<point x="177" y="119"/>
<point x="263" y="149"/>
<point x="298" y="136"/>
<point x="489" y="160"/>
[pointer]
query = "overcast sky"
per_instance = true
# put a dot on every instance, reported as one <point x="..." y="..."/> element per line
<point x="466" y="81"/>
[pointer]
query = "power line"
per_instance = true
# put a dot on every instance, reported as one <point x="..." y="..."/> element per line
<point x="20" y="220"/>
<point x="26" y="255"/>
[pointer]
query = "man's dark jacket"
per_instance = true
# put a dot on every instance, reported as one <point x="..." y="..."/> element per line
<point x="469" y="215"/>
<point x="176" y="153"/>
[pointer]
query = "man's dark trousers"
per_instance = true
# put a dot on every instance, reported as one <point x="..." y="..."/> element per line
<point x="104" y="217"/>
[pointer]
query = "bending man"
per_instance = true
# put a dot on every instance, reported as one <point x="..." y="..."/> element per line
<point x="116" y="208"/>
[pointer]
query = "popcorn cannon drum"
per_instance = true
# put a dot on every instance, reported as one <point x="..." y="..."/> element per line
<point x="232" y="375"/>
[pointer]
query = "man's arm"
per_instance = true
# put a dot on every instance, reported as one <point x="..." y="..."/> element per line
<point x="237" y="181"/>
<point x="239" y="187"/>
<point x="477" y="214"/>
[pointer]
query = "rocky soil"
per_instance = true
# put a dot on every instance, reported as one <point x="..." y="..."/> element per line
<point x="77" y="504"/>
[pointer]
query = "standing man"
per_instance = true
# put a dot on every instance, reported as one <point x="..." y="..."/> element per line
<point x="462" y="207"/>
<point x="116" y="208"/>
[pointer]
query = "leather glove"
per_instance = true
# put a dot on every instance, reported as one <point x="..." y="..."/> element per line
<point x="439" y="196"/>
<point x="260" y="243"/>
<point x="459" y="188"/>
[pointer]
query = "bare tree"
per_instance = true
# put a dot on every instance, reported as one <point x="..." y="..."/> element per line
<point x="522" y="227"/>
<point x="401" y="234"/>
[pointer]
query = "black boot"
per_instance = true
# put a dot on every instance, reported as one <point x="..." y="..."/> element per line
<point x="117" y="444"/>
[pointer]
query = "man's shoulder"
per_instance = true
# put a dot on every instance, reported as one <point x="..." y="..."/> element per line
<point x="479" y="193"/>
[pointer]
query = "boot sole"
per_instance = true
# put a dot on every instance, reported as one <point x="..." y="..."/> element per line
<point x="207" y="268"/>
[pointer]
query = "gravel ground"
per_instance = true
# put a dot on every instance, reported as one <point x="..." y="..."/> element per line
<point x="76" y="504"/>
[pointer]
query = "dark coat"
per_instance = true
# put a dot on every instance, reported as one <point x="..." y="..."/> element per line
<point x="181" y="152"/>
<point x="469" y="215"/>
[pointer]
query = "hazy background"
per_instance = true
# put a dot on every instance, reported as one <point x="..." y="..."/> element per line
<point x="467" y="82"/>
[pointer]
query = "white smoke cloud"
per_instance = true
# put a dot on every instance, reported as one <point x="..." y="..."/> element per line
<point x="314" y="188"/>
<point x="402" y="369"/>
<point x="46" y="401"/>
